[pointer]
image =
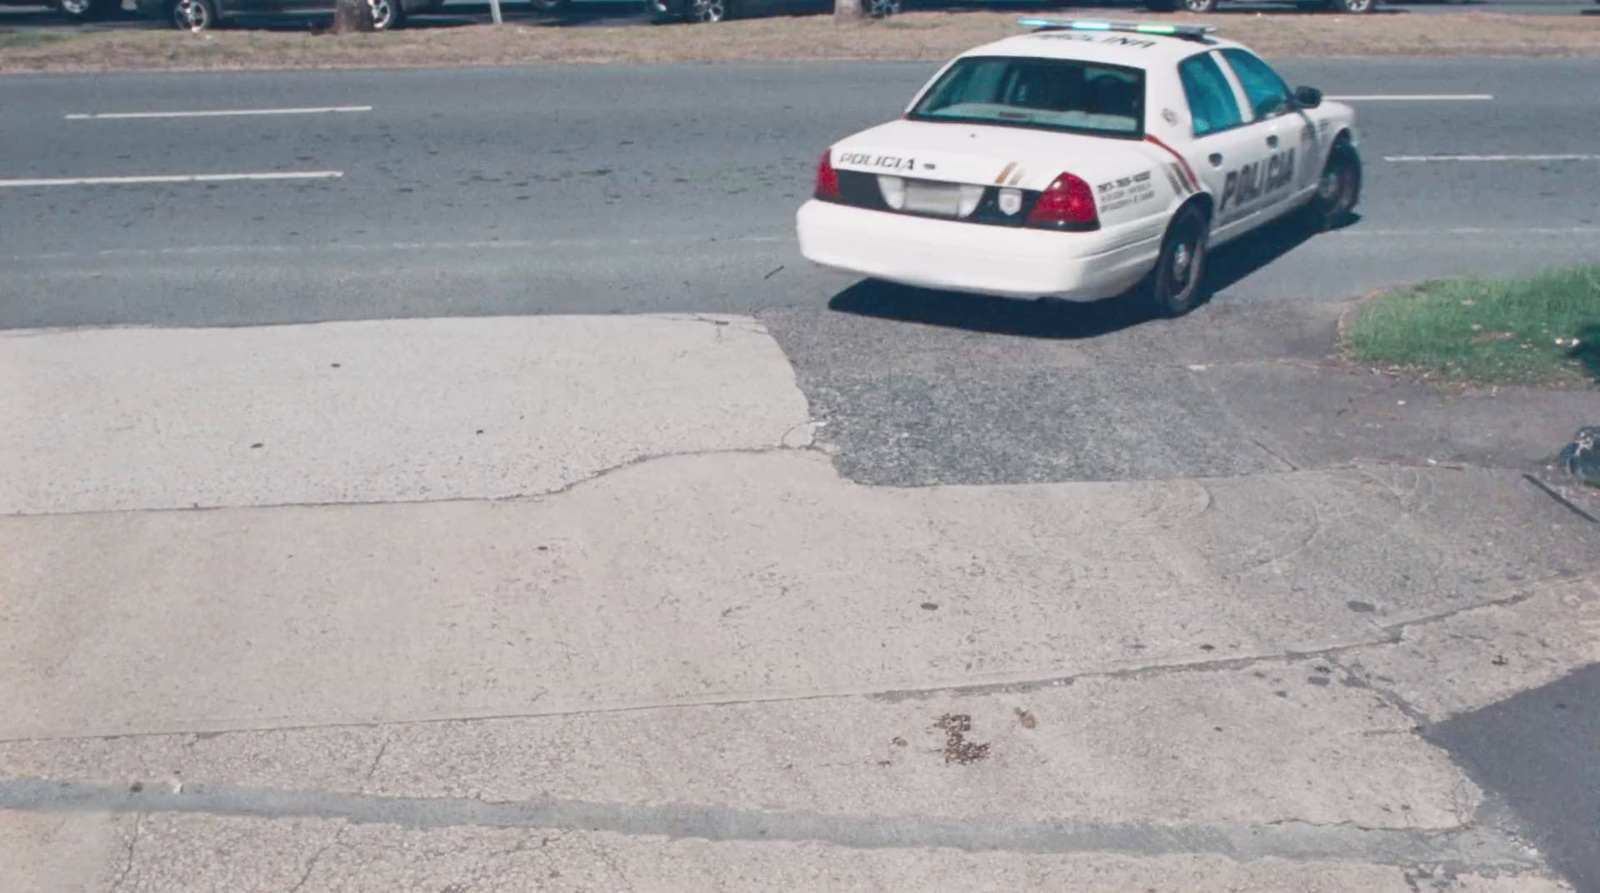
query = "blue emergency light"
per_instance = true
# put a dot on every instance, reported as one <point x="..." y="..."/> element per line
<point x="1192" y="32"/>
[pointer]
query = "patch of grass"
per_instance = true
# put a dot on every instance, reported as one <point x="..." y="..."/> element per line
<point x="1541" y="329"/>
<point x="16" y="40"/>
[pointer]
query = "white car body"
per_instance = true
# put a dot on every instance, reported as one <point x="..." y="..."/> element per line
<point x="1243" y="175"/>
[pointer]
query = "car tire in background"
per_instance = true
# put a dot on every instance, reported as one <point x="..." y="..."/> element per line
<point x="707" y="12"/>
<point x="387" y="15"/>
<point x="1174" y="286"/>
<point x="192" y="15"/>
<point x="879" y="9"/>
<point x="86" y="10"/>
<point x="1353" y="7"/>
<point x="548" y="7"/>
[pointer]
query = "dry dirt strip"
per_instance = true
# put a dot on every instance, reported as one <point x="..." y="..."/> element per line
<point x="924" y="36"/>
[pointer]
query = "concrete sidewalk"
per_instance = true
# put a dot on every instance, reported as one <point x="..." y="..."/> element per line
<point x="693" y="649"/>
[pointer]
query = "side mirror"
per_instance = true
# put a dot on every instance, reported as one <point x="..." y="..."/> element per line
<point x="1307" y="97"/>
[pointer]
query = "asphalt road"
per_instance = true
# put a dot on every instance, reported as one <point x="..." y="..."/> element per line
<point x="618" y="189"/>
<point x="776" y="609"/>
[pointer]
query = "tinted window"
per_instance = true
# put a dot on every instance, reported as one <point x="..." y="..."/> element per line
<point x="1211" y="101"/>
<point x="1048" y="94"/>
<point x="1267" y="92"/>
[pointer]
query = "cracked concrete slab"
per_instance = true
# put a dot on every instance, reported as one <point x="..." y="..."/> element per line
<point x="711" y="579"/>
<point x="1275" y="742"/>
<point x="74" y="852"/>
<point x="379" y="411"/>
<point x="195" y="852"/>
<point x="1478" y="658"/>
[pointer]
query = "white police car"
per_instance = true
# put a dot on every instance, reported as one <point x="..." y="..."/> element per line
<point x="1081" y="160"/>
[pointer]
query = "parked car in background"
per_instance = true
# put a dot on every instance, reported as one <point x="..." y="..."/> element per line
<point x="708" y="11"/>
<point x="1201" y="6"/>
<point x="198" y="15"/>
<point x="77" y="10"/>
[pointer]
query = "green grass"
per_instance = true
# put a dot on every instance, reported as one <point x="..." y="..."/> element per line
<point x="1541" y="329"/>
<point x="16" y="40"/>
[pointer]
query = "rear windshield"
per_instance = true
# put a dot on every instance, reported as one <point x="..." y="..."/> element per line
<point x="1046" y="94"/>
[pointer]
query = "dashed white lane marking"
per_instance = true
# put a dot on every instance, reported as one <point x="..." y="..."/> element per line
<point x="1475" y="231"/>
<point x="1418" y="97"/>
<point x="1427" y="158"/>
<point x="174" y="178"/>
<point x="218" y="113"/>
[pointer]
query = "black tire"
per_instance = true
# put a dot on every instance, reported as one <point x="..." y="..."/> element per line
<point x="1338" y="188"/>
<point x="1175" y="286"/>
<point x="1353" y="7"/>
<point x="707" y="12"/>
<point x="880" y="9"/>
<point x="192" y="15"/>
<point x="85" y="10"/>
<point x="1198" y="6"/>
<point x="387" y="15"/>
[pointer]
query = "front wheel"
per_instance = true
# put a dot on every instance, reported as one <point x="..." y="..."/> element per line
<point x="1338" y="188"/>
<point x="1354" y="7"/>
<point x="386" y="14"/>
<point x="707" y="12"/>
<point x="1174" y="286"/>
<point x="193" y="15"/>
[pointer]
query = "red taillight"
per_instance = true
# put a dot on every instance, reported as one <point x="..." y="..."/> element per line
<point x="827" y="177"/>
<point x="1068" y="200"/>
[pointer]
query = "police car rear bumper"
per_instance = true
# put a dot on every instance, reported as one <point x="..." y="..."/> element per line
<point x="969" y="257"/>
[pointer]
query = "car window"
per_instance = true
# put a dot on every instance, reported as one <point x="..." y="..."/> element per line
<point x="1268" y="94"/>
<point x="1212" y="104"/>
<point x="1047" y="94"/>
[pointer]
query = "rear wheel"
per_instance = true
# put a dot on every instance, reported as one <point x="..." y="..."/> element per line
<point x="84" y="10"/>
<point x="192" y="15"/>
<point x="1174" y="286"/>
<point x="707" y="12"/>
<point x="386" y="14"/>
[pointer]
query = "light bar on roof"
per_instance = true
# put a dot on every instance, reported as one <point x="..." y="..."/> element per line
<point x="1099" y="25"/>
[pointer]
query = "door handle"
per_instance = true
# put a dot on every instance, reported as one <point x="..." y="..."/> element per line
<point x="1272" y="141"/>
<point x="1215" y="159"/>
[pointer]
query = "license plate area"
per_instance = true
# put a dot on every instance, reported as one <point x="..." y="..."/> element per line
<point x="943" y="199"/>
<point x="930" y="198"/>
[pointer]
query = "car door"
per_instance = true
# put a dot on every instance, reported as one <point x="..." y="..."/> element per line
<point x="1290" y="136"/>
<point x="1227" y="148"/>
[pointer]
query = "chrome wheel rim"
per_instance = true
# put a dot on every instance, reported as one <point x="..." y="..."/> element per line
<point x="75" y="7"/>
<point x="708" y="10"/>
<point x="1182" y="267"/>
<point x="382" y="14"/>
<point x="191" y="14"/>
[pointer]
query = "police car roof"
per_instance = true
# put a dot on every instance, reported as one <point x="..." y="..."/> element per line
<point x="1135" y="49"/>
